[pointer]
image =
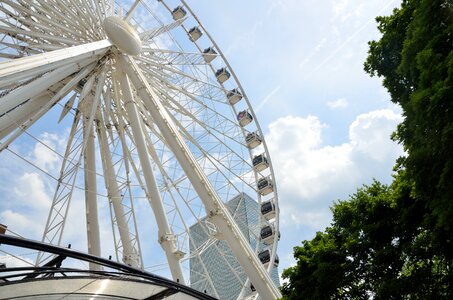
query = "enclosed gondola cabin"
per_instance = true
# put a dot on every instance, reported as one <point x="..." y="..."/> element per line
<point x="209" y="54"/>
<point x="265" y="258"/>
<point x="222" y="75"/>
<point x="265" y="186"/>
<point x="234" y="96"/>
<point x="195" y="33"/>
<point x="268" y="234"/>
<point x="268" y="210"/>
<point x="253" y="140"/>
<point x="244" y="118"/>
<point x="178" y="13"/>
<point x="260" y="162"/>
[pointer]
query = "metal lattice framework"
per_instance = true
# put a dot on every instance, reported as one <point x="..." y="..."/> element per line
<point x="156" y="113"/>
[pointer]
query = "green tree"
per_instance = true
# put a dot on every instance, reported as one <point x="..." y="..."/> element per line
<point x="395" y="242"/>
<point x="358" y="256"/>
<point x="374" y="249"/>
<point x="415" y="59"/>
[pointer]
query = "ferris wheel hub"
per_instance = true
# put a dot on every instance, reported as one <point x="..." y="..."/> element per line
<point x="122" y="35"/>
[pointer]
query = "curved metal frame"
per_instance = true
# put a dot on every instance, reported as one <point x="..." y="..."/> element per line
<point x="121" y="269"/>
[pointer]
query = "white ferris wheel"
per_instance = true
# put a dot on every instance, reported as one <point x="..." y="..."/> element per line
<point x="156" y="114"/>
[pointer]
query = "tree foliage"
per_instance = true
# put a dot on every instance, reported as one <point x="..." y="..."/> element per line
<point x="375" y="249"/>
<point x="395" y="242"/>
<point x="415" y="57"/>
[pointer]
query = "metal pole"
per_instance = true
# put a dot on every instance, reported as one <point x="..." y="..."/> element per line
<point x="215" y="208"/>
<point x="17" y="117"/>
<point x="12" y="71"/>
<point x="91" y="207"/>
<point x="36" y="87"/>
<point x="166" y="236"/>
<point x="129" y="255"/>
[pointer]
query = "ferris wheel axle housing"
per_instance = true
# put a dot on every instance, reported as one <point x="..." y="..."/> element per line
<point x="122" y="35"/>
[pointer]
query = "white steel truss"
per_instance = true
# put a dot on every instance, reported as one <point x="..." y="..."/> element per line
<point x="167" y="133"/>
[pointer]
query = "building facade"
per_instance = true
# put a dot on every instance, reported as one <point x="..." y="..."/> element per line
<point x="217" y="260"/>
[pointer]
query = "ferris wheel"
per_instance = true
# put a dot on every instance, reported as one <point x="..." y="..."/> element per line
<point x="156" y="114"/>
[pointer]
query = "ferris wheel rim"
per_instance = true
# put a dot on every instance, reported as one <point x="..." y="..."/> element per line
<point x="249" y="108"/>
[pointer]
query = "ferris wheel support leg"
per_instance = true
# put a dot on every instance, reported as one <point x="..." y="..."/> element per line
<point x="215" y="208"/>
<point x="166" y="236"/>
<point x="36" y="87"/>
<point x="14" y="70"/>
<point x="41" y="111"/>
<point x="130" y="256"/>
<point x="91" y="207"/>
<point x="17" y="117"/>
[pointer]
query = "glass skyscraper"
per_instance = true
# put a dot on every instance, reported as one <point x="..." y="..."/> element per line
<point x="217" y="260"/>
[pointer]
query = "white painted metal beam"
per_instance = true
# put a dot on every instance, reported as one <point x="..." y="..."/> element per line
<point x="91" y="207"/>
<point x="17" y="117"/>
<point x="166" y="236"/>
<point x="215" y="208"/>
<point x="15" y="70"/>
<point x="131" y="11"/>
<point x="129" y="255"/>
<point x="40" y="112"/>
<point x="36" y="87"/>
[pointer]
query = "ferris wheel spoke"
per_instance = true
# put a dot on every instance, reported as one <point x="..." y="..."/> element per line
<point x="89" y="12"/>
<point x="45" y="26"/>
<point x="19" y="9"/>
<point x="217" y="163"/>
<point x="218" y="142"/>
<point x="152" y="33"/>
<point x="55" y="10"/>
<point x="192" y="96"/>
<point x="171" y="57"/>
<point x="221" y="125"/>
<point x="154" y="66"/>
<point x="36" y="35"/>
<point x="100" y="13"/>
<point x="132" y="10"/>
<point x="78" y="16"/>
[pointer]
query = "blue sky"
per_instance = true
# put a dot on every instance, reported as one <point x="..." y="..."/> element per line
<point x="326" y="122"/>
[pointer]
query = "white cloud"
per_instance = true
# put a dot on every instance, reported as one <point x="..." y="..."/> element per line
<point x="44" y="154"/>
<point x="20" y="223"/>
<point x="16" y="261"/>
<point x="311" y="175"/>
<point x="339" y="103"/>
<point x="370" y="134"/>
<point x="339" y="7"/>
<point x="31" y="191"/>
